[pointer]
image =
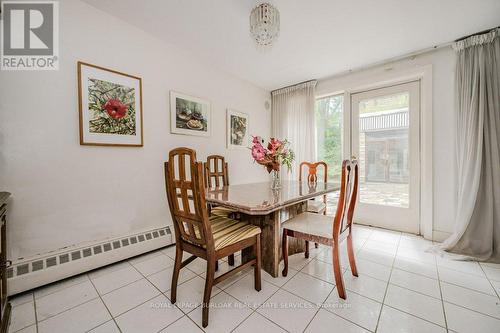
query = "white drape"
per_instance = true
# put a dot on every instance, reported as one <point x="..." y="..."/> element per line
<point x="477" y="225"/>
<point x="293" y="119"/>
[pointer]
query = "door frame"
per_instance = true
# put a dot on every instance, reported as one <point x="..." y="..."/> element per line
<point x="411" y="214"/>
<point x="378" y="78"/>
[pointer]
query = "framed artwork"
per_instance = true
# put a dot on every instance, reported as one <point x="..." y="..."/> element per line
<point x="237" y="129"/>
<point x="110" y="105"/>
<point x="189" y="115"/>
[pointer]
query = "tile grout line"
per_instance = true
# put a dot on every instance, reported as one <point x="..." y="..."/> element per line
<point x="442" y="299"/>
<point x="161" y="293"/>
<point x="184" y="314"/>
<point x="279" y="288"/>
<point x="472" y="310"/>
<point x="98" y="296"/>
<point x="333" y="290"/>
<point x="489" y="280"/>
<point x="392" y="268"/>
<point x="320" y="307"/>
<point x="161" y="329"/>
<point x="112" y="318"/>
<point x="36" y="316"/>
<point x="56" y="282"/>
<point x="255" y="310"/>
<point x="414" y="315"/>
<point x="387" y="285"/>
<point x="251" y="312"/>
<point x="416" y="261"/>
<point x="68" y="309"/>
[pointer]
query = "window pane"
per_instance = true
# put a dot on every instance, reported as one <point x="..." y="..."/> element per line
<point x="329" y="134"/>
<point x="384" y="150"/>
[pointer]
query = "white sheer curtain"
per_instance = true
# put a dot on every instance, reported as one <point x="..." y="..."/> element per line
<point x="293" y="119"/>
<point x="477" y="225"/>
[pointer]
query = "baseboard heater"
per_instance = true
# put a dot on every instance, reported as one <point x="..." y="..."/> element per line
<point x="26" y="274"/>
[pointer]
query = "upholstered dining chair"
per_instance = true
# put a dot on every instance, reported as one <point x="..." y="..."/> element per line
<point x="209" y="238"/>
<point x="315" y="206"/>
<point x="216" y="175"/>
<point x="318" y="228"/>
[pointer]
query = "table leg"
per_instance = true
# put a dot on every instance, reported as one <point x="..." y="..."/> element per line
<point x="271" y="237"/>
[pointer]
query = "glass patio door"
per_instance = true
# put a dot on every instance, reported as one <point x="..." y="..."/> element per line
<point x="385" y="136"/>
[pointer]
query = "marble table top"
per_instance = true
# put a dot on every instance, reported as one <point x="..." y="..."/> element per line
<point x="259" y="199"/>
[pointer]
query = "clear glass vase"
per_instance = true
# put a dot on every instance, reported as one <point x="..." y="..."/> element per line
<point x="275" y="180"/>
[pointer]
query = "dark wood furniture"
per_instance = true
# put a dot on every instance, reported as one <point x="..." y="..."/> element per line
<point x="4" y="264"/>
<point x="217" y="175"/>
<point x="216" y="171"/>
<point x="268" y="209"/>
<point x="314" y="206"/>
<point x="207" y="238"/>
<point x="313" y="227"/>
<point x="312" y="177"/>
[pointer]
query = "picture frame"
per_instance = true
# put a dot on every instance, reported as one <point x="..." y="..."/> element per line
<point x="190" y="115"/>
<point x="237" y="129"/>
<point x="110" y="107"/>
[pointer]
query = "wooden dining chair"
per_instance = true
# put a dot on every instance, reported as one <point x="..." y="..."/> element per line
<point x="315" y="206"/>
<point x="216" y="175"/>
<point x="315" y="227"/>
<point x="209" y="238"/>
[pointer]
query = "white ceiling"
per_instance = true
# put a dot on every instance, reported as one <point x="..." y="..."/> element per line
<point x="319" y="38"/>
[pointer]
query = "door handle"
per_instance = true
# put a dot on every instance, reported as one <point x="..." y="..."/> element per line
<point x="6" y="264"/>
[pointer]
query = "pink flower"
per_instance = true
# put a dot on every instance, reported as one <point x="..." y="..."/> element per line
<point x="274" y="145"/>
<point x="258" y="152"/>
<point x="257" y="140"/>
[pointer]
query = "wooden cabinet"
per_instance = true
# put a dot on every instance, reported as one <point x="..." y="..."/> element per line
<point x="4" y="263"/>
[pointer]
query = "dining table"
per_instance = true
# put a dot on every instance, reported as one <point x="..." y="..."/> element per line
<point x="269" y="208"/>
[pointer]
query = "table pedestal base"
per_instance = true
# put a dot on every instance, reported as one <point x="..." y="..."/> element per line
<point x="271" y="237"/>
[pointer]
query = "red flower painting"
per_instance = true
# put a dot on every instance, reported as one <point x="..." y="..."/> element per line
<point x="115" y="108"/>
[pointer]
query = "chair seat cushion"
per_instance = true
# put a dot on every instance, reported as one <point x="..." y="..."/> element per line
<point x="221" y="211"/>
<point x="311" y="224"/>
<point x="227" y="231"/>
<point x="315" y="206"/>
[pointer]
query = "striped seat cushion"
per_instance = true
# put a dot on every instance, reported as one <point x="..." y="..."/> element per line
<point x="221" y="211"/>
<point x="227" y="231"/>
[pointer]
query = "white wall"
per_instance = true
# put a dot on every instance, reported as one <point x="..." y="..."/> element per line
<point x="443" y="118"/>
<point x="64" y="193"/>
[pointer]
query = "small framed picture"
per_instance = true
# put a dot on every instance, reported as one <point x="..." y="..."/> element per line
<point x="189" y="115"/>
<point x="237" y="129"/>
<point x="110" y="106"/>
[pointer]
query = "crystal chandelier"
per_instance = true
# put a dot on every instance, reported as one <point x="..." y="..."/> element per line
<point x="265" y="24"/>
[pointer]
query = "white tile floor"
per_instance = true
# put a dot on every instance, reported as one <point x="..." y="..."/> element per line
<point x="401" y="288"/>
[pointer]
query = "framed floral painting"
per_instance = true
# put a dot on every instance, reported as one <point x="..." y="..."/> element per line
<point x="237" y="129"/>
<point x="189" y="115"/>
<point x="110" y="105"/>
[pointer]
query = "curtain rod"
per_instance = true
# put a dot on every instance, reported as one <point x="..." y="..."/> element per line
<point x="292" y="85"/>
<point x="398" y="58"/>
<point x="477" y="33"/>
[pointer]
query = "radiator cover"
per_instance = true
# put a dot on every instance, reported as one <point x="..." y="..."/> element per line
<point x="26" y="274"/>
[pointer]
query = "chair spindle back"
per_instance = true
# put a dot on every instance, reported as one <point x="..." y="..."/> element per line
<point x="312" y="176"/>
<point x="347" y="198"/>
<point x="216" y="171"/>
<point x="186" y="198"/>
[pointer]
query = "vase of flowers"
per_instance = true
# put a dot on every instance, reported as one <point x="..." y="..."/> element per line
<point x="273" y="157"/>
